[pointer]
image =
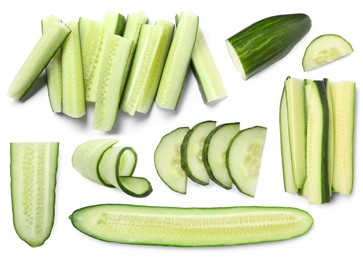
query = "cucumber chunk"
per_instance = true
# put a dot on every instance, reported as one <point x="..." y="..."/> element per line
<point x="214" y="153"/>
<point x="324" y="49"/>
<point x="33" y="170"/>
<point x="190" y="227"/>
<point x="192" y="152"/>
<point x="167" y="160"/>
<point x="43" y="51"/>
<point x="244" y="156"/>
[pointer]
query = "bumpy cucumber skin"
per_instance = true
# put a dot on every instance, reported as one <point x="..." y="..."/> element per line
<point x="263" y="43"/>
<point x="159" y="211"/>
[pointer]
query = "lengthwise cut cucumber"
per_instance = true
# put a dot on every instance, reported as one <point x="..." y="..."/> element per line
<point x="263" y="43"/>
<point x="33" y="172"/>
<point x="190" y="227"/>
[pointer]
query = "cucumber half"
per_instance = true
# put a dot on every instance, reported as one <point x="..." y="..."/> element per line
<point x="324" y="49"/>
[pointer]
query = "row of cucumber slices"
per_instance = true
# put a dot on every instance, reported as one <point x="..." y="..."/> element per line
<point x="223" y="153"/>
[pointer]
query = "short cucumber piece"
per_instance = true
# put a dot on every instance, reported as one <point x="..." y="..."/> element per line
<point x="287" y="169"/>
<point x="167" y="160"/>
<point x="190" y="227"/>
<point x="263" y="43"/>
<point x="214" y="153"/>
<point x="87" y="157"/>
<point x="148" y="96"/>
<point x="54" y="71"/>
<point x="142" y="66"/>
<point x="117" y="167"/>
<point x="244" y="156"/>
<point x="191" y="152"/>
<point x="73" y="96"/>
<point x="112" y="81"/>
<point x="324" y="49"/>
<point x="43" y="51"/>
<point x="33" y="170"/>
<point x="177" y="62"/>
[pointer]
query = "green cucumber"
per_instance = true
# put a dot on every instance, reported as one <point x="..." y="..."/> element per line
<point x="324" y="49"/>
<point x="263" y="43"/>
<point x="87" y="156"/>
<point x="43" y="51"/>
<point x="33" y="170"/>
<point x="177" y="62"/>
<point x="73" y="96"/>
<point x="112" y="81"/>
<point x="191" y="152"/>
<point x="149" y="93"/>
<point x="190" y="227"/>
<point x="214" y="153"/>
<point x="167" y="160"/>
<point x="243" y="158"/>
<point x="142" y="67"/>
<point x="54" y="71"/>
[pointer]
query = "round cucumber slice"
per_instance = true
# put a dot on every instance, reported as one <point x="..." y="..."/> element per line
<point x="324" y="49"/>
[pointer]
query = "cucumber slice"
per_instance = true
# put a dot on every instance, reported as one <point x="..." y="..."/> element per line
<point x="324" y="49"/>
<point x="149" y="93"/>
<point x="43" y="51"/>
<point x="190" y="227"/>
<point x="177" y="62"/>
<point x="167" y="160"/>
<point x="244" y="156"/>
<point x="112" y="81"/>
<point x="288" y="173"/>
<point x="87" y="156"/>
<point x="214" y="153"/>
<point x="74" y="103"/>
<point x="191" y="152"/>
<point x="117" y="167"/>
<point x="54" y="71"/>
<point x="33" y="170"/>
<point x="142" y="66"/>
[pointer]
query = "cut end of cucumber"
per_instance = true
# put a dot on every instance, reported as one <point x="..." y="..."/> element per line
<point x="325" y="49"/>
<point x="236" y="60"/>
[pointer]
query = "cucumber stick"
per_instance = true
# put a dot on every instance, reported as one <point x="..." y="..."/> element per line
<point x="73" y="96"/>
<point x="190" y="227"/>
<point x="43" y="51"/>
<point x="263" y="43"/>
<point x="33" y="172"/>
<point x="177" y="62"/>
<point x="54" y="71"/>
<point x="112" y="81"/>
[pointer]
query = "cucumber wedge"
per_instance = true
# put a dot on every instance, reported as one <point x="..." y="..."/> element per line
<point x="177" y="62"/>
<point x="73" y="96"/>
<point x="167" y="160"/>
<point x="33" y="172"/>
<point x="54" y="71"/>
<point x="324" y="49"/>
<point x="190" y="227"/>
<point x="43" y="51"/>
<point x="214" y="153"/>
<point x="244" y="156"/>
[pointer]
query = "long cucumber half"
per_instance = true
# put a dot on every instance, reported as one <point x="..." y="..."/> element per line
<point x="190" y="227"/>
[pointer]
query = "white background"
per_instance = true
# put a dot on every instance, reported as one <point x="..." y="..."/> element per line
<point x="338" y="225"/>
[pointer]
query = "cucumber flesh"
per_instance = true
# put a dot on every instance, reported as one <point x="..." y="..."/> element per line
<point x="190" y="227"/>
<point x="54" y="71"/>
<point x="177" y="62"/>
<point x="43" y="51"/>
<point x="324" y="49"/>
<point x="33" y="172"/>
<point x="73" y="95"/>
<point x="192" y="151"/>
<point x="167" y="160"/>
<point x="214" y="153"/>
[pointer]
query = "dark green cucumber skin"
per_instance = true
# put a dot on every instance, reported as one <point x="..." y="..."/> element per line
<point x="278" y="33"/>
<point x="119" y="30"/>
<point x="73" y="219"/>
